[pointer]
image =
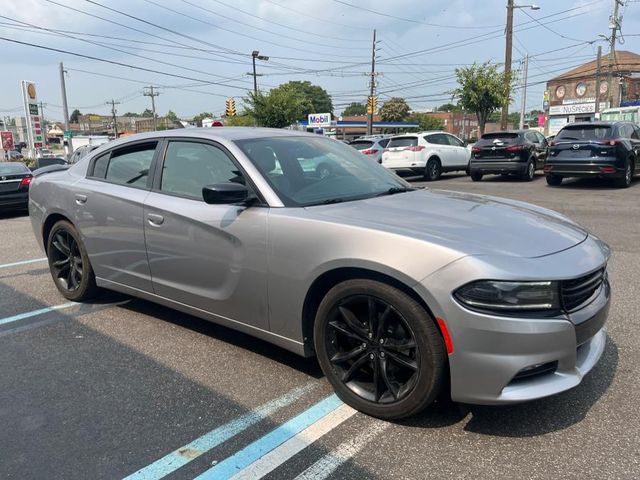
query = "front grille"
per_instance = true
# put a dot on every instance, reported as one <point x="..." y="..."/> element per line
<point x="574" y="293"/>
<point x="535" y="371"/>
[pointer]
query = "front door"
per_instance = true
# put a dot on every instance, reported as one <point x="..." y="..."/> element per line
<point x="211" y="257"/>
<point x="109" y="212"/>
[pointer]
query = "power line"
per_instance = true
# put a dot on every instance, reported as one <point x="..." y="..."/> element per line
<point x="329" y="22"/>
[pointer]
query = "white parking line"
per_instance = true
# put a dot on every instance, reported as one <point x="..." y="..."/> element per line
<point x="23" y="262"/>
<point x="34" y="313"/>
<point x="327" y="465"/>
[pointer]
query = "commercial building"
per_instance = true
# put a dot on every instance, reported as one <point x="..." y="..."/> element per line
<point x="572" y="95"/>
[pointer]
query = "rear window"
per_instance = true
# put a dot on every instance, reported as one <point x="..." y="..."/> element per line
<point x="46" y="162"/>
<point x="361" y="145"/>
<point x="584" y="132"/>
<point x="12" y="168"/>
<point x="403" y="142"/>
<point x="502" y="136"/>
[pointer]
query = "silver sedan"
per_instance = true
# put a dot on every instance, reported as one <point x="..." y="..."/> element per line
<point x="403" y="294"/>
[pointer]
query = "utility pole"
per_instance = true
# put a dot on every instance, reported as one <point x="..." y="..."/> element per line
<point x="614" y="25"/>
<point x="113" y="104"/>
<point x="153" y="94"/>
<point x="65" y="110"/>
<point x="372" y="85"/>
<point x="598" y="72"/>
<point x="507" y="63"/>
<point x="256" y="54"/>
<point x="524" y="90"/>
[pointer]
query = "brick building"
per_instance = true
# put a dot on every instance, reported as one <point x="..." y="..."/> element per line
<point x="572" y="95"/>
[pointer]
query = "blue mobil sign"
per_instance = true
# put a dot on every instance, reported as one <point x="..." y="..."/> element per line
<point x="319" y="120"/>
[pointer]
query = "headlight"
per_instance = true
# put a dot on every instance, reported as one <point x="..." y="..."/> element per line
<point x="510" y="296"/>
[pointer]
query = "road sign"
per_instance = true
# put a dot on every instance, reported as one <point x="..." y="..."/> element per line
<point x="7" y="140"/>
<point x="319" y="119"/>
<point x="68" y="134"/>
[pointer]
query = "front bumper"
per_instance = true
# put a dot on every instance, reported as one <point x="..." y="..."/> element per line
<point x="495" y="167"/>
<point x="489" y="351"/>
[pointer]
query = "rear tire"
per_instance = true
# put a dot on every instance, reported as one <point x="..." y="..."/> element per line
<point x="554" y="180"/>
<point x="433" y="170"/>
<point x="379" y="348"/>
<point x="625" y="181"/>
<point x="530" y="173"/>
<point x="69" y="263"/>
<point x="476" y="176"/>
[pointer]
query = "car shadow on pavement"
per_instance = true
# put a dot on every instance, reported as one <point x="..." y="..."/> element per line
<point x="594" y="184"/>
<point x="308" y="366"/>
<point x="11" y="214"/>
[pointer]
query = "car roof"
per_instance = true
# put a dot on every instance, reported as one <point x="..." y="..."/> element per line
<point x="427" y="132"/>
<point x="594" y="124"/>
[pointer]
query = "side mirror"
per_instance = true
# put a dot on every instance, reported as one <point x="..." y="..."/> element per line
<point x="221" y="193"/>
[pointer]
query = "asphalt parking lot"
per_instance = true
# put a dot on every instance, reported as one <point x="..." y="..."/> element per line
<point x="122" y="387"/>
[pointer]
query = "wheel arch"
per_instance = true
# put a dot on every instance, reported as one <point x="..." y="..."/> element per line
<point x="48" y="224"/>
<point x="327" y="280"/>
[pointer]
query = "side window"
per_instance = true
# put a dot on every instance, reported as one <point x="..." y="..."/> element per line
<point x="531" y="137"/>
<point x="541" y="139"/>
<point x="636" y="132"/>
<point x="100" y="166"/>
<point x="383" y="142"/>
<point x="437" y="139"/>
<point x="130" y="166"/>
<point x="453" y="141"/>
<point x="189" y="166"/>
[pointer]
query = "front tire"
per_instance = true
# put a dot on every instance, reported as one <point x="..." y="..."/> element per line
<point x="69" y="263"/>
<point x="433" y="170"/>
<point x="379" y="348"/>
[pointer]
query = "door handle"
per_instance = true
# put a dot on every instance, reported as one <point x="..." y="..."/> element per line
<point x="80" y="198"/>
<point x="155" y="219"/>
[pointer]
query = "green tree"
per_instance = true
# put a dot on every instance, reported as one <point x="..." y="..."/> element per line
<point x="197" y="119"/>
<point x="242" y="120"/>
<point x="75" y="116"/>
<point x="394" y="110"/>
<point x="172" y="116"/>
<point x="147" y="113"/>
<point x="279" y="108"/>
<point x="449" y="107"/>
<point x="483" y="90"/>
<point x="355" y="108"/>
<point x="316" y="99"/>
<point x="131" y="114"/>
<point x="427" y="122"/>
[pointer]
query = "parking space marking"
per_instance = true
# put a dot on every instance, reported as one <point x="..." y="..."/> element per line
<point x="35" y="313"/>
<point x="296" y="444"/>
<point x="23" y="262"/>
<point x="327" y="465"/>
<point x="183" y="455"/>
<point x="236" y="463"/>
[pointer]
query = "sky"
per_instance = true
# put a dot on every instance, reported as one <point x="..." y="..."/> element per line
<point x="198" y="52"/>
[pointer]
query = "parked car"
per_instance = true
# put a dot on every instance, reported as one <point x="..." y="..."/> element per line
<point x="44" y="153"/>
<point x="372" y="147"/>
<point x="496" y="300"/>
<point x="426" y="153"/>
<point x="15" y="155"/>
<point x="15" y="179"/>
<point x="80" y="152"/>
<point x="47" y="161"/>
<point x="595" y="149"/>
<point x="518" y="152"/>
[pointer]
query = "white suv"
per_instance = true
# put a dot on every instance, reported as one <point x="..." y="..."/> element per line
<point x="426" y="153"/>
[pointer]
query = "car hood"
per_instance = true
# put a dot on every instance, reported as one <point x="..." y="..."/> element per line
<point x="470" y="224"/>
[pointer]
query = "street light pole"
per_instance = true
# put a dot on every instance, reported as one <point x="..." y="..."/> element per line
<point x="524" y="91"/>
<point x="65" y="110"/>
<point x="256" y="54"/>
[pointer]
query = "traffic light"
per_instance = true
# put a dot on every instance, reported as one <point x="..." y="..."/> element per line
<point x="231" y="107"/>
<point x="372" y="104"/>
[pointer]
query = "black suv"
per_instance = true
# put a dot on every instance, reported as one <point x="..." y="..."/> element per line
<point x="596" y="149"/>
<point x="519" y="152"/>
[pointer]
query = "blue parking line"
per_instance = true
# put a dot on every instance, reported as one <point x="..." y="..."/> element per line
<point x="180" y="457"/>
<point x="232" y="465"/>
<point x="24" y="262"/>
<point x="35" y="313"/>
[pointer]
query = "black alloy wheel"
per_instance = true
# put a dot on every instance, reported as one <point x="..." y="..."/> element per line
<point x="625" y="181"/>
<point x="379" y="349"/>
<point x="69" y="263"/>
<point x="530" y="174"/>
<point x="433" y="170"/>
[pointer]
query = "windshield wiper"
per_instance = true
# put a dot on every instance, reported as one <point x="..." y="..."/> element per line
<point x="394" y="190"/>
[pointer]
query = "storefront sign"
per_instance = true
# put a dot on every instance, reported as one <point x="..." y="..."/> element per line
<point x="575" y="109"/>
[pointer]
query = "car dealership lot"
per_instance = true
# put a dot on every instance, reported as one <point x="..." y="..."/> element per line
<point x="106" y="389"/>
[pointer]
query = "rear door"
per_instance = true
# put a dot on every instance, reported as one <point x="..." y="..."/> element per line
<point x="462" y="153"/>
<point x="109" y="213"/>
<point x="212" y="257"/>
<point x="402" y="152"/>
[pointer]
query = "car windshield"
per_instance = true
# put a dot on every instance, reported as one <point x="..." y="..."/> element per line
<point x="306" y="171"/>
<point x="12" y="168"/>
<point x="361" y="144"/>
<point x="402" y="142"/>
<point x="584" y="132"/>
